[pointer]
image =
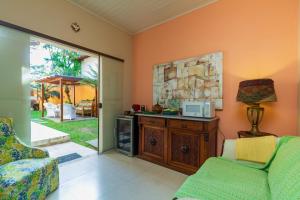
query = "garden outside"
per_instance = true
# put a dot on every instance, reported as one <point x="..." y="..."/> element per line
<point x="80" y="131"/>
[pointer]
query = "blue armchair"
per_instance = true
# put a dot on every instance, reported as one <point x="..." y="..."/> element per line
<point x="25" y="172"/>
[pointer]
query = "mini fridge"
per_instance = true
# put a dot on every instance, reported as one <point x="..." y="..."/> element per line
<point x="126" y="134"/>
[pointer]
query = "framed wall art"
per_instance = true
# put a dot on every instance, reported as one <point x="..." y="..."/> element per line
<point x="195" y="79"/>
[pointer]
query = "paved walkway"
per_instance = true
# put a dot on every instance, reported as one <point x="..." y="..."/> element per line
<point x="57" y="143"/>
<point x="42" y="135"/>
<point x="69" y="148"/>
<point x="78" y="118"/>
<point x="94" y="142"/>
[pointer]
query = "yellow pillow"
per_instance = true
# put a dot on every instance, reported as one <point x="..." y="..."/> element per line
<point x="257" y="149"/>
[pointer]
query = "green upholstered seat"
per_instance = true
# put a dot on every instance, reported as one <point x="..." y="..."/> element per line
<point x="284" y="172"/>
<point x="222" y="179"/>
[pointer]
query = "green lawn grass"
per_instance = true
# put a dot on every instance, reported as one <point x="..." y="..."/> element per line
<point x="79" y="131"/>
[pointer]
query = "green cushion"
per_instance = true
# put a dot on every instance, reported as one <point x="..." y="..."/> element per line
<point x="223" y="179"/>
<point x="284" y="172"/>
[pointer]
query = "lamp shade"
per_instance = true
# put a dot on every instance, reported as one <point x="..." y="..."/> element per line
<point x="256" y="91"/>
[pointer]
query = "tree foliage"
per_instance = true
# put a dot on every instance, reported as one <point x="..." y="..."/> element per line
<point x="91" y="78"/>
<point x="64" y="62"/>
<point x="48" y="90"/>
<point x="37" y="72"/>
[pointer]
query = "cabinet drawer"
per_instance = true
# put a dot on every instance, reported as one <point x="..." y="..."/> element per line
<point x="153" y="142"/>
<point x="183" y="124"/>
<point x="183" y="149"/>
<point x="160" y="122"/>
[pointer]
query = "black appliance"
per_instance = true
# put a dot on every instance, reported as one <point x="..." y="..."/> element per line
<point x="126" y="133"/>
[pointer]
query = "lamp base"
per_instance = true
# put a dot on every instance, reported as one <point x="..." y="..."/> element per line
<point x="255" y="114"/>
<point x="248" y="134"/>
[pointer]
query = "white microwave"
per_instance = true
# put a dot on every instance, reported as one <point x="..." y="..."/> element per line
<point x="204" y="109"/>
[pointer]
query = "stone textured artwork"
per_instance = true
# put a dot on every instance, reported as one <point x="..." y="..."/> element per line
<point x="195" y="79"/>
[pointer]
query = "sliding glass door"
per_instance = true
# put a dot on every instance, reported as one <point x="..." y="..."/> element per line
<point x="16" y="87"/>
<point x="111" y="97"/>
<point x="15" y="79"/>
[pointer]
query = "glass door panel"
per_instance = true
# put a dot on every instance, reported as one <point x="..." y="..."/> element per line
<point x="111" y="97"/>
<point x="15" y="79"/>
<point x="124" y="134"/>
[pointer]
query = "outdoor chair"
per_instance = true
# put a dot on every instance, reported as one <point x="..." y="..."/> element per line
<point x="52" y="109"/>
<point x="69" y="111"/>
<point x="85" y="107"/>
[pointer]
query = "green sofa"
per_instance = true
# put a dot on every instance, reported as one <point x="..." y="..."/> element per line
<point x="25" y="172"/>
<point x="228" y="179"/>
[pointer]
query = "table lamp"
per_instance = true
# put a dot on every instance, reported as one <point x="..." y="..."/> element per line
<point x="252" y="93"/>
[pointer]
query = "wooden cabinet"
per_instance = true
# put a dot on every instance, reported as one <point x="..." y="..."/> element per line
<point x="182" y="144"/>
<point x="157" y="122"/>
<point x="183" y="149"/>
<point x="153" y="142"/>
<point x="185" y="124"/>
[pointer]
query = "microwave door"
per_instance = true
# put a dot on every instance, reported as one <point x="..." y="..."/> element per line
<point x="194" y="110"/>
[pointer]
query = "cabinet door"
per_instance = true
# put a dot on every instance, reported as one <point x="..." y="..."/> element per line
<point x="184" y="149"/>
<point x="185" y="124"/>
<point x="153" y="142"/>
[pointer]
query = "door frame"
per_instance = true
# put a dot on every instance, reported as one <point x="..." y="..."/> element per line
<point x="103" y="103"/>
<point x="64" y="42"/>
<point x="99" y="106"/>
<point x="42" y="35"/>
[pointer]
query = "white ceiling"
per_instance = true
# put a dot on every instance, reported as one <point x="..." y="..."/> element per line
<point x="135" y="16"/>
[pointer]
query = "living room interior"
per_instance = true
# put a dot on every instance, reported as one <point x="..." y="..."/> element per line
<point x="191" y="100"/>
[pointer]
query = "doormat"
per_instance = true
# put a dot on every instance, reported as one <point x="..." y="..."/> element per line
<point x="69" y="157"/>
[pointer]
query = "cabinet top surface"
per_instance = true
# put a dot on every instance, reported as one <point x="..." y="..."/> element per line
<point x="178" y="117"/>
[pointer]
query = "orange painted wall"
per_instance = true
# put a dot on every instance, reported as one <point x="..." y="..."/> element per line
<point x="258" y="39"/>
<point x="82" y="92"/>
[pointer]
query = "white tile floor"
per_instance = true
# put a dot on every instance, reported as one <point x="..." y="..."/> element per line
<point x="69" y="148"/>
<point x="113" y="176"/>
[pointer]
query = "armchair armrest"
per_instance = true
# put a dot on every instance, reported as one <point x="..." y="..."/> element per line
<point x="38" y="153"/>
<point x="31" y="152"/>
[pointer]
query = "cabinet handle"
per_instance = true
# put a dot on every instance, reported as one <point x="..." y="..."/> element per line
<point x="206" y="138"/>
<point x="153" y="141"/>
<point x="184" y="148"/>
